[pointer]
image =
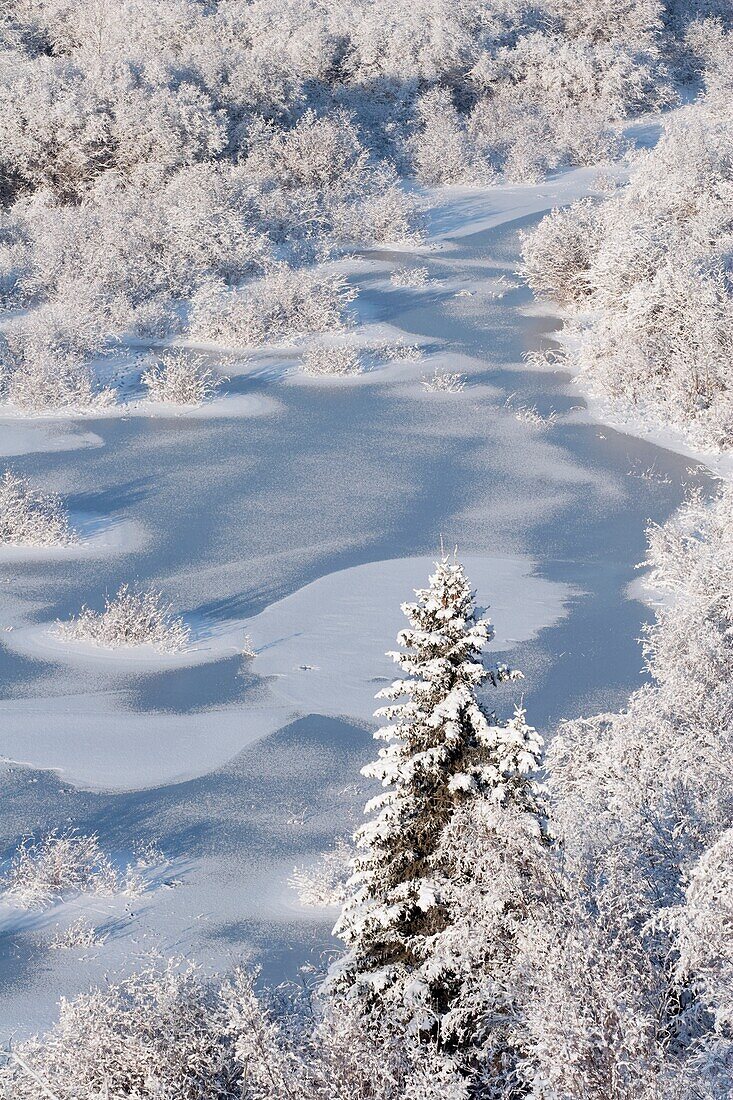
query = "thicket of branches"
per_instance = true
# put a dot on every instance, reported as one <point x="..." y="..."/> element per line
<point x="650" y="270"/>
<point x="60" y="865"/>
<point x="29" y="517"/>
<point x="154" y="153"/>
<point x="132" y="617"/>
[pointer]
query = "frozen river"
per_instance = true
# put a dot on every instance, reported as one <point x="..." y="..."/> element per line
<point x="303" y="518"/>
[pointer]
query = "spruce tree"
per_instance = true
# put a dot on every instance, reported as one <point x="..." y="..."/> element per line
<point x="442" y="753"/>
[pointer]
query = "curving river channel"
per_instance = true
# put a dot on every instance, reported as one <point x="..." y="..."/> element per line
<point x="296" y="518"/>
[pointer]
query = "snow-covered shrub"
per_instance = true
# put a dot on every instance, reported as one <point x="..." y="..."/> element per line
<point x="557" y="255"/>
<point x="440" y="151"/>
<point x="346" y="1057"/>
<point x="285" y="304"/>
<point x="386" y="214"/>
<point x="626" y="979"/>
<point x="162" y="1033"/>
<point x="59" y="864"/>
<point x="77" y="934"/>
<point x="133" y="617"/>
<point x="324" y="883"/>
<point x="44" y="364"/>
<point x="704" y="931"/>
<point x="531" y="415"/>
<point x="167" y="126"/>
<point x="332" y="359"/>
<point x="54" y="382"/>
<point x="651" y="272"/>
<point x="148" y="853"/>
<point x="180" y="378"/>
<point x="31" y="518"/>
<point x="398" y="350"/>
<point x="444" y="381"/>
<point x="585" y="1000"/>
<point x="409" y="277"/>
<point x="317" y="152"/>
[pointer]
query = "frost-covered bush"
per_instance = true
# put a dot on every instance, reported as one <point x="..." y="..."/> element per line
<point x="44" y="365"/>
<point x="318" y="152"/>
<point x="134" y="617"/>
<point x="651" y="271"/>
<point x="409" y="277"/>
<point x="332" y="359"/>
<point x="54" y="382"/>
<point x="58" y="865"/>
<point x="162" y="1033"/>
<point x="29" y="517"/>
<point x="324" y="883"/>
<point x="704" y="931"/>
<point x="444" y="381"/>
<point x="77" y="934"/>
<point x="285" y="304"/>
<point x="441" y="151"/>
<point x="180" y="378"/>
<point x="633" y="968"/>
<point x="557" y="255"/>
<point x="399" y="351"/>
<point x="386" y="214"/>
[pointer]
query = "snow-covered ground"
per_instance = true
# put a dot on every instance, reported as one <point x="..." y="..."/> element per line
<point x="302" y="513"/>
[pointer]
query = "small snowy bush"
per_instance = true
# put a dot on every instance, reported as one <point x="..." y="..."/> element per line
<point x="444" y="381"/>
<point x="530" y="414"/>
<point x="29" y="517"/>
<point x="558" y="254"/>
<point x="399" y="351"/>
<point x="324" y="883"/>
<point x="59" y="864"/>
<point x="53" y="381"/>
<point x="332" y="359"/>
<point x="409" y="277"/>
<point x="77" y="934"/>
<point x="440" y="150"/>
<point x="283" y="305"/>
<point x="131" y="618"/>
<point x="180" y="379"/>
<point x="317" y="152"/>
<point x="44" y="361"/>
<point x="387" y="214"/>
<point x="704" y="928"/>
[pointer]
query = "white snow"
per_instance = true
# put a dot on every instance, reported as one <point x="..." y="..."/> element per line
<point x="319" y="651"/>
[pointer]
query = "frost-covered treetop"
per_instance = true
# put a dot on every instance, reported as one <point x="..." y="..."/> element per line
<point x="441" y="719"/>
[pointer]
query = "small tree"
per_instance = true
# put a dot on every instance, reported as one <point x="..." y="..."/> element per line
<point x="443" y="752"/>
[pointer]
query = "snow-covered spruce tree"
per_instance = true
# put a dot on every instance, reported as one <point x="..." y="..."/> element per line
<point x="443" y="754"/>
